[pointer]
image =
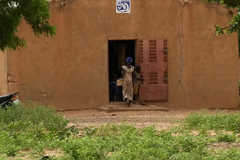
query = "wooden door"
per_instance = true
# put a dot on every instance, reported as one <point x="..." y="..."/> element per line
<point x="152" y="57"/>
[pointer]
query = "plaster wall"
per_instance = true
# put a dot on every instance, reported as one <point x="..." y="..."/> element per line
<point x="70" y="70"/>
<point x="3" y="73"/>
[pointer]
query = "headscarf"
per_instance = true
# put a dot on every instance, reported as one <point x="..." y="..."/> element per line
<point x="129" y="60"/>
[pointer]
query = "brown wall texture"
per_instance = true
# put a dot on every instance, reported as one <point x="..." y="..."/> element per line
<point x="3" y="73"/>
<point x="70" y="70"/>
<point x="239" y="68"/>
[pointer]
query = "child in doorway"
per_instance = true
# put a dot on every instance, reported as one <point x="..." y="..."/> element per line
<point x="114" y="90"/>
<point x="137" y="80"/>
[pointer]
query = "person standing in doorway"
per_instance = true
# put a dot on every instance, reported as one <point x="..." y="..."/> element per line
<point x="137" y="80"/>
<point x="127" y="87"/>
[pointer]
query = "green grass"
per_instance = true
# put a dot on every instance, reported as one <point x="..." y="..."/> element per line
<point x="33" y="129"/>
<point x="219" y="121"/>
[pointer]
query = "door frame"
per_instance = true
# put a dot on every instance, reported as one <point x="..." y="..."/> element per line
<point x="136" y="60"/>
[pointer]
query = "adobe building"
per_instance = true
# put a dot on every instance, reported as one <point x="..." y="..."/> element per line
<point x="183" y="63"/>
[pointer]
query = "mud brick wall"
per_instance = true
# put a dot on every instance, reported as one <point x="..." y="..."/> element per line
<point x="70" y="70"/>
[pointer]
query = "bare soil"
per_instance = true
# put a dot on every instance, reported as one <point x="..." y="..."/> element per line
<point x="141" y="119"/>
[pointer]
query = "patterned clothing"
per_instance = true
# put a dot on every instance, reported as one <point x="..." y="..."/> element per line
<point x="136" y="82"/>
<point x="135" y="88"/>
<point x="127" y="88"/>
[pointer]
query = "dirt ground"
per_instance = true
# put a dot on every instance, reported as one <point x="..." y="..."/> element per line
<point x="141" y="119"/>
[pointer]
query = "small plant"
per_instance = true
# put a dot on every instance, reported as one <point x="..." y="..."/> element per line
<point x="90" y="131"/>
<point x="226" y="138"/>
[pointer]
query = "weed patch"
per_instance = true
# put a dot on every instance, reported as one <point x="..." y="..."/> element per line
<point x="219" y="121"/>
<point x="34" y="129"/>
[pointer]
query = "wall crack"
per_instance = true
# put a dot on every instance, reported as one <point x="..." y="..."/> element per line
<point x="180" y="37"/>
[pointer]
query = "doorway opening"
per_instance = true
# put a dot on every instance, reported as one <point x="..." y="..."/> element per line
<point x="118" y="51"/>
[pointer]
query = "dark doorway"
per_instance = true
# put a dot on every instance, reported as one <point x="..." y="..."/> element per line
<point x="118" y="51"/>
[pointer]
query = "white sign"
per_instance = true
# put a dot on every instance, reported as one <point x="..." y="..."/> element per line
<point x="123" y="6"/>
